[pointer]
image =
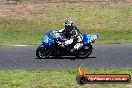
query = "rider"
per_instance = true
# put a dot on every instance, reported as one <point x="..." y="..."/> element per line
<point x="72" y="34"/>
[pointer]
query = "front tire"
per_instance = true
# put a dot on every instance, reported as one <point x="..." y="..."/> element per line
<point x="85" y="51"/>
<point x="43" y="53"/>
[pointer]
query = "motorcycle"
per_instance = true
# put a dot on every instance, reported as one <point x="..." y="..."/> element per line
<point x="52" y="46"/>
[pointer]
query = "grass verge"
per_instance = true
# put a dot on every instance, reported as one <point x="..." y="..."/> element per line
<point x="55" y="78"/>
<point x="26" y="23"/>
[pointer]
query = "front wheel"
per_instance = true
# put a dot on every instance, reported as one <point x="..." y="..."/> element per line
<point x="43" y="53"/>
<point x="85" y="51"/>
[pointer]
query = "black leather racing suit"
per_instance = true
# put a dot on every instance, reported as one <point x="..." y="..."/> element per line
<point x="73" y="36"/>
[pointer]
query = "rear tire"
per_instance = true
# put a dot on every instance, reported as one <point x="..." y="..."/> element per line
<point x="85" y="51"/>
<point x="43" y="53"/>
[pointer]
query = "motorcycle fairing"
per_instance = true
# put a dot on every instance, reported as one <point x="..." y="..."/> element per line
<point x="47" y="40"/>
<point x="41" y="46"/>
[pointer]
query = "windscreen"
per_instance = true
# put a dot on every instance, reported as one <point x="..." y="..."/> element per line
<point x="54" y="34"/>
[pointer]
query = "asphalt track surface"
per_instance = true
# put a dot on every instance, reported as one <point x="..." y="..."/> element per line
<point x="103" y="56"/>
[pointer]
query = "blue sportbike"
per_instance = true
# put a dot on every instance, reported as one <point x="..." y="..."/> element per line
<point x="52" y="46"/>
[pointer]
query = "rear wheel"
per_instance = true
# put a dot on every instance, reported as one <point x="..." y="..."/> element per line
<point x="85" y="51"/>
<point x="43" y="53"/>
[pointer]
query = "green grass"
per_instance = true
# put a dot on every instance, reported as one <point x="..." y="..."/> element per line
<point x="55" y="78"/>
<point x="112" y="23"/>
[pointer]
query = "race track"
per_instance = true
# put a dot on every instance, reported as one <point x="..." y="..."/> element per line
<point x="103" y="56"/>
